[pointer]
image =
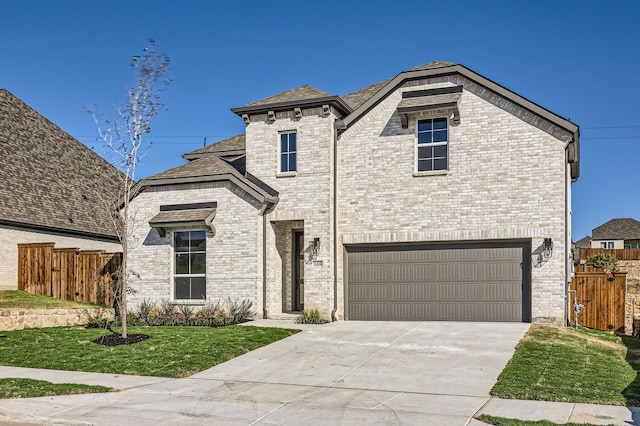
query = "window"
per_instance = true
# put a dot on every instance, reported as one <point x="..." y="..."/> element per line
<point x="190" y="265"/>
<point x="607" y="244"/>
<point x="631" y="245"/>
<point x="288" y="152"/>
<point x="433" y="137"/>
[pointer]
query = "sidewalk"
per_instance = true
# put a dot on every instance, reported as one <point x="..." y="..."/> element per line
<point x="558" y="412"/>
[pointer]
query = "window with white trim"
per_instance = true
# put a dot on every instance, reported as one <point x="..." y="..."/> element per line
<point x="607" y="245"/>
<point x="190" y="249"/>
<point x="288" y="152"/>
<point x="433" y="145"/>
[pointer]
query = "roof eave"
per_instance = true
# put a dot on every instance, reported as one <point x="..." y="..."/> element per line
<point x="194" y="156"/>
<point x="336" y="101"/>
<point x="65" y="231"/>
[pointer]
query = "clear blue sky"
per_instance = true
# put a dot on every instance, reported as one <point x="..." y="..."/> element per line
<point x="578" y="58"/>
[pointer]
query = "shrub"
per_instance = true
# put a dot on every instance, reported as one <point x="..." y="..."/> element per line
<point x="166" y="308"/>
<point x="240" y="312"/>
<point x="187" y="312"/>
<point x="606" y="261"/>
<point x="310" y="317"/>
<point x="144" y="309"/>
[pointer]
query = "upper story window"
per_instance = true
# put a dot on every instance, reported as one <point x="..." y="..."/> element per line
<point x="288" y="152"/>
<point x="190" y="248"/>
<point x="607" y="244"/>
<point x="432" y="146"/>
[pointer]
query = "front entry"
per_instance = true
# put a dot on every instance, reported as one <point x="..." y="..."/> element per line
<point x="297" y="275"/>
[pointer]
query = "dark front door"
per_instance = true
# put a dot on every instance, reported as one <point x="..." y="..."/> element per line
<point x="297" y="276"/>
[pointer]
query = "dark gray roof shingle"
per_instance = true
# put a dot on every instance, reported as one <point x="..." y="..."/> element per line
<point x="618" y="229"/>
<point x="296" y="94"/>
<point x="49" y="179"/>
<point x="355" y="99"/>
<point x="233" y="144"/>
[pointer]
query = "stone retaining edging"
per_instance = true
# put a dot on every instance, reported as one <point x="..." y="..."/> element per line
<point x="18" y="319"/>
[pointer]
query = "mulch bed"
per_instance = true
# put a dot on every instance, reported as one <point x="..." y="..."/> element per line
<point x="116" y="339"/>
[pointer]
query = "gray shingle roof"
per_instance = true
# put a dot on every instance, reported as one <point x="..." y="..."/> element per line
<point x="233" y="144"/>
<point x="584" y="242"/>
<point x="296" y="94"/>
<point x="355" y="99"/>
<point x="49" y="179"/>
<point x="208" y="168"/>
<point x="618" y="229"/>
<point x="432" y="65"/>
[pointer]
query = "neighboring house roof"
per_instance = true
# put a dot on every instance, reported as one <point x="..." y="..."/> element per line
<point x="618" y="229"/>
<point x="584" y="242"/>
<point x="51" y="181"/>
<point x="208" y="169"/>
<point x="234" y="145"/>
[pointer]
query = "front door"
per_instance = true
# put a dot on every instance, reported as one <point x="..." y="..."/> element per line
<point x="297" y="276"/>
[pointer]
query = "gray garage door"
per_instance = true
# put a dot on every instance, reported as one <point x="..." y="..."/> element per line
<point x="454" y="282"/>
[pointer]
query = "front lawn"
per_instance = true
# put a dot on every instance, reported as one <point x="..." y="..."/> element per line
<point x="170" y="352"/>
<point x="18" y="299"/>
<point x="565" y="364"/>
<point x="501" y="421"/>
<point x="29" y="388"/>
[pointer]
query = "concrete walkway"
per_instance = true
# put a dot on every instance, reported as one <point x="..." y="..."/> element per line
<point x="347" y="373"/>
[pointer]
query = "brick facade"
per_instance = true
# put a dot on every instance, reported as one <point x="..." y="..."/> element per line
<point x="507" y="179"/>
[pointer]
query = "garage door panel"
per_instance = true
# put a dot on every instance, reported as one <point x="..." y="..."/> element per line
<point x="473" y="282"/>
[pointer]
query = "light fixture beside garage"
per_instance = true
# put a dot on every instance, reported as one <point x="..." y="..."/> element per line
<point x="315" y="245"/>
<point x="547" y="248"/>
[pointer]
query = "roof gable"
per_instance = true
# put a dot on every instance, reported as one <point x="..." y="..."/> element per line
<point x="440" y="69"/>
<point x="618" y="229"/>
<point x="299" y="93"/>
<point x="51" y="180"/>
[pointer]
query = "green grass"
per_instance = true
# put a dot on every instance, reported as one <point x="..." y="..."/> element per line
<point x="501" y="421"/>
<point x="564" y="364"/>
<point x="29" y="388"/>
<point x="18" y="299"/>
<point x="170" y="352"/>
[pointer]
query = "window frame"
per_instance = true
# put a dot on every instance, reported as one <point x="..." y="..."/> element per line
<point x="175" y="275"/>
<point x="418" y="145"/>
<point x="288" y="153"/>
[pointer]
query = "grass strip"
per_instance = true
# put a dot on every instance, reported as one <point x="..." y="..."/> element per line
<point x="29" y="388"/>
<point x="569" y="365"/>
<point x="501" y="421"/>
<point x="18" y="299"/>
<point x="170" y="352"/>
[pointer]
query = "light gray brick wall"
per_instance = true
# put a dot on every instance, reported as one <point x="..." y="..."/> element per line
<point x="305" y="203"/>
<point x="506" y="180"/>
<point x="233" y="253"/>
<point x="10" y="237"/>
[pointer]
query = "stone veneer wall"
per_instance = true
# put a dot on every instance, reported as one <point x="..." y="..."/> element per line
<point x="632" y="301"/>
<point x="18" y="319"/>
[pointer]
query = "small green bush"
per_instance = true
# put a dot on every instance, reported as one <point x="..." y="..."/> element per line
<point x="310" y="317"/>
<point x="606" y="261"/>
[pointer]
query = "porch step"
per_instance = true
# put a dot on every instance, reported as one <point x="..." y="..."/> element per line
<point x="282" y="316"/>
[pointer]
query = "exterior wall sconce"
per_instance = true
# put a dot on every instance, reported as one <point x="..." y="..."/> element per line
<point x="271" y="116"/>
<point x="315" y="245"/>
<point x="297" y="113"/>
<point x="547" y="248"/>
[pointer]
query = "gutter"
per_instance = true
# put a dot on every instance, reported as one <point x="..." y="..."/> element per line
<point x="337" y="125"/>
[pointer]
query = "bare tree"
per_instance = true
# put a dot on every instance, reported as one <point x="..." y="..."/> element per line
<point x="125" y="136"/>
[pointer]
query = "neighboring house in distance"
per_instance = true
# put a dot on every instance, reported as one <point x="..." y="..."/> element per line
<point x="53" y="188"/>
<point x="435" y="195"/>
<point x="584" y="242"/>
<point x="617" y="234"/>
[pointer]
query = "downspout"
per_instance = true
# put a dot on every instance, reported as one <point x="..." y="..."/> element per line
<point x="567" y="235"/>
<point x="264" y="265"/>
<point x="337" y="125"/>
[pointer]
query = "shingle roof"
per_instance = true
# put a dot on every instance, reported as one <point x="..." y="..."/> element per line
<point x="49" y="179"/>
<point x="355" y="99"/>
<point x="618" y="229"/>
<point x="584" y="242"/>
<point x="296" y="94"/>
<point x="233" y="144"/>
<point x="432" y="65"/>
<point x="210" y="168"/>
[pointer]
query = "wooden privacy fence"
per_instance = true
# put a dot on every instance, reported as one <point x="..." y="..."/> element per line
<point x="620" y="254"/>
<point x="603" y="296"/>
<point x="68" y="273"/>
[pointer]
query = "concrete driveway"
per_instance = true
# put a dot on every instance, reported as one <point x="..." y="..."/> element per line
<point x="348" y="373"/>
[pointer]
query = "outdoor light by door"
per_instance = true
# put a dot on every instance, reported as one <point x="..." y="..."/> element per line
<point x="315" y="245"/>
<point x="547" y="248"/>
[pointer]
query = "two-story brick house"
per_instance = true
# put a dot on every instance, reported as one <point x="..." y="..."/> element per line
<point x="435" y="195"/>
